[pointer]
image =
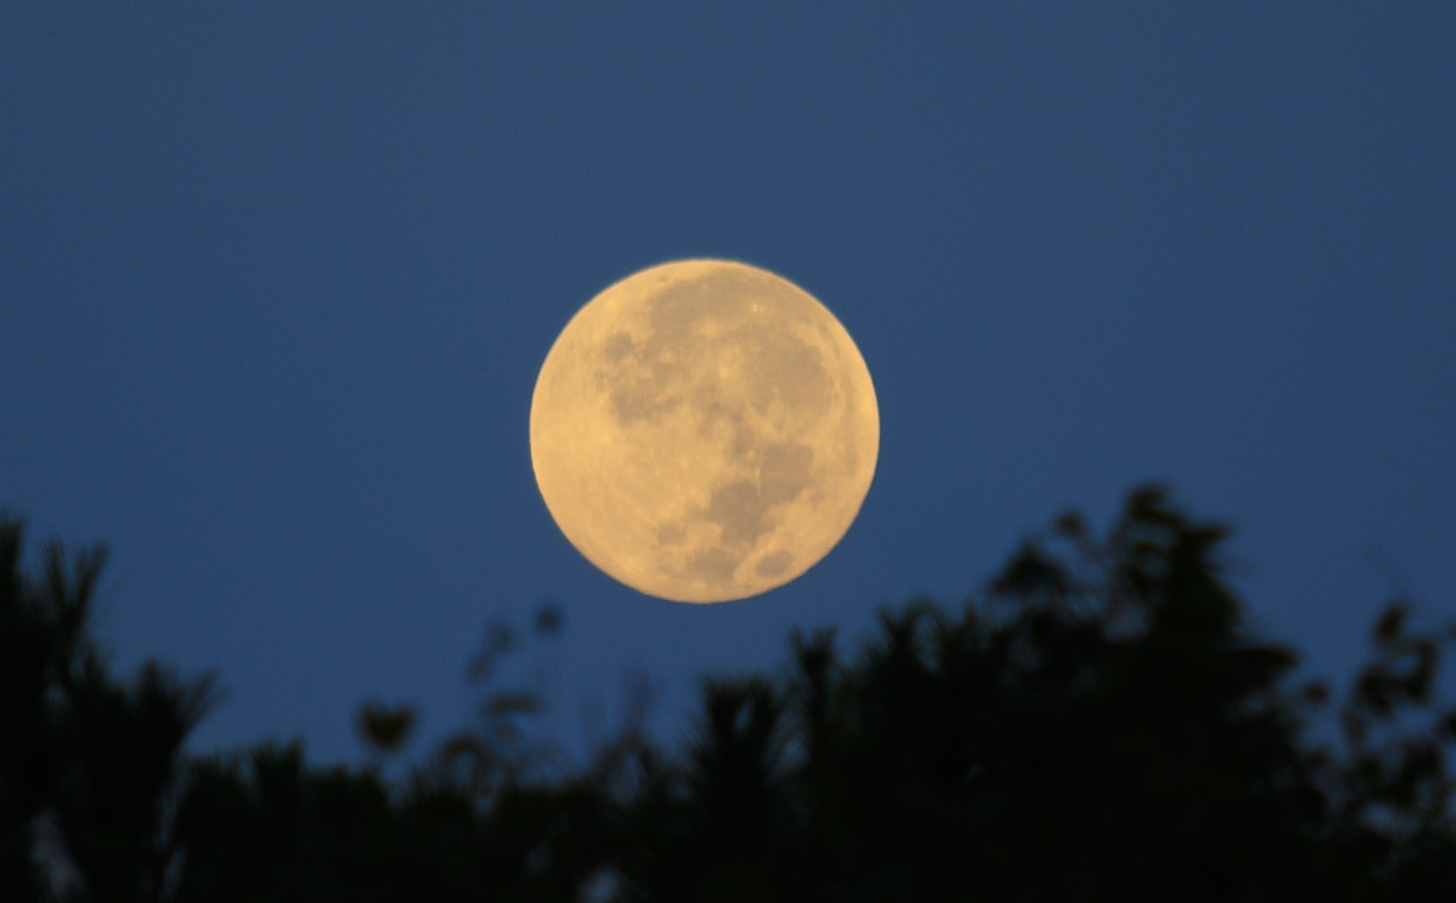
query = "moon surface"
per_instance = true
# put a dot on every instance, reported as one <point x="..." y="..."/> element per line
<point x="704" y="430"/>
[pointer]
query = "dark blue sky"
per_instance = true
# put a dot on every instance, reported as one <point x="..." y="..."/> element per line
<point x="276" y="280"/>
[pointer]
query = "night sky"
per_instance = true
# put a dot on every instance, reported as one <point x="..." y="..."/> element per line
<point x="276" y="280"/>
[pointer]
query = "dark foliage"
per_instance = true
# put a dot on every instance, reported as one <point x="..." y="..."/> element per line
<point x="1100" y="725"/>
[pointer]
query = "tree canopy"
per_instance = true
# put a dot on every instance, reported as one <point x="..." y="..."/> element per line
<point x="1099" y="722"/>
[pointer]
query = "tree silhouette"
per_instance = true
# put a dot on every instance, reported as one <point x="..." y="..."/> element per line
<point x="89" y="766"/>
<point x="1100" y="723"/>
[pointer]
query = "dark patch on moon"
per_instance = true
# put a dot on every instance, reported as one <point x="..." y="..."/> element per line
<point x="678" y="309"/>
<point x="716" y="565"/>
<point x="775" y="565"/>
<point x="638" y="402"/>
<point x="618" y="346"/>
<point x="741" y="508"/>
<point x="785" y="471"/>
<point x="790" y="372"/>
<point x="739" y="511"/>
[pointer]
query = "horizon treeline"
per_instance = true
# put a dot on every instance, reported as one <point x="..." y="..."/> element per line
<point x="1099" y="723"/>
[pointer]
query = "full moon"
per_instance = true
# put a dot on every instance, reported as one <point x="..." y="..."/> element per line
<point x="704" y="431"/>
